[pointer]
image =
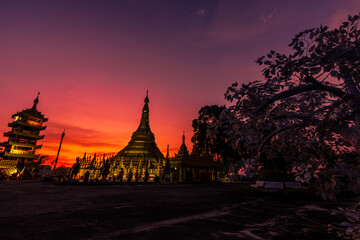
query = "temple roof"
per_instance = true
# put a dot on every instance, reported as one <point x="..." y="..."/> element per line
<point x="142" y="144"/>
<point x="32" y="111"/>
<point x="195" y="159"/>
<point x="183" y="151"/>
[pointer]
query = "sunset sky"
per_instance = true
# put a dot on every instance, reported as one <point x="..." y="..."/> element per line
<point x="93" y="61"/>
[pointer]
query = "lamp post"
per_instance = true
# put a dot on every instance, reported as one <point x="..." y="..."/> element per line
<point x="57" y="156"/>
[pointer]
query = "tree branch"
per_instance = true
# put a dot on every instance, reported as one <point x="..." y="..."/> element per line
<point x="293" y="115"/>
<point x="271" y="135"/>
<point x="300" y="89"/>
<point x="350" y="85"/>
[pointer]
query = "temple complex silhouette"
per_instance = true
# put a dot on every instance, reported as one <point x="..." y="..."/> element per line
<point x="141" y="155"/>
<point x="140" y="158"/>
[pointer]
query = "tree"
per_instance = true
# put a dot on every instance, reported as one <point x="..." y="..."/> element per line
<point x="218" y="146"/>
<point x="61" y="172"/>
<point x="318" y="85"/>
<point x="207" y="116"/>
<point x="307" y="109"/>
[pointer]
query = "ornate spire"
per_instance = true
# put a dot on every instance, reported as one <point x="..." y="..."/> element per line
<point x="147" y="98"/>
<point x="167" y="163"/>
<point x="93" y="160"/>
<point x="146" y="106"/>
<point x="36" y="101"/>
<point x="183" y="151"/>
<point x="144" y="126"/>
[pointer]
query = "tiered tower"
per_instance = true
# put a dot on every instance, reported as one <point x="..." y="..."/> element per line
<point x="141" y="152"/>
<point x="22" y="140"/>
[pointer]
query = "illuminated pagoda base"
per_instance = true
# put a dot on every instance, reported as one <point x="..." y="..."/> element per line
<point x="20" y="148"/>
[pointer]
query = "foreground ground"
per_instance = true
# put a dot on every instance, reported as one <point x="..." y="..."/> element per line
<point x="184" y="211"/>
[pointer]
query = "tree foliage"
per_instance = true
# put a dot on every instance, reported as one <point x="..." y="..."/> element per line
<point x="207" y="116"/>
<point x="305" y="115"/>
<point x="218" y="146"/>
<point x="315" y="86"/>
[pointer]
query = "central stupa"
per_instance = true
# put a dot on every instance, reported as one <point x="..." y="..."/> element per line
<point x="141" y="152"/>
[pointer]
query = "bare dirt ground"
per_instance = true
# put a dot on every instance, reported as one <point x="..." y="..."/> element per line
<point x="35" y="210"/>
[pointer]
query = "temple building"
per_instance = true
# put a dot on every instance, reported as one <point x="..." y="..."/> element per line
<point x="197" y="166"/>
<point x="20" y="148"/>
<point x="93" y="165"/>
<point x="141" y="153"/>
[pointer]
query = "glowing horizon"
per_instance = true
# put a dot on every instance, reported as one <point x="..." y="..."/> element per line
<point x="75" y="147"/>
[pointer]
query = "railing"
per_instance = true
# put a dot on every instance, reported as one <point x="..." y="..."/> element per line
<point x="31" y="135"/>
<point x="27" y="144"/>
<point x="20" y="122"/>
<point x="8" y="162"/>
<point x="21" y="155"/>
<point x="23" y="152"/>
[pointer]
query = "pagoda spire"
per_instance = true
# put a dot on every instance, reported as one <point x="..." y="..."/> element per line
<point x="147" y="97"/>
<point x="183" y="151"/>
<point x="144" y="122"/>
<point x="145" y="111"/>
<point x="36" y="101"/>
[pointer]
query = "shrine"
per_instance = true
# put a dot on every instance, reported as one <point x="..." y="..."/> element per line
<point x="20" y="148"/>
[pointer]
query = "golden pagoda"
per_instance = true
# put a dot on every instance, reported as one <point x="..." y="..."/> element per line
<point x="22" y="140"/>
<point x="141" y="153"/>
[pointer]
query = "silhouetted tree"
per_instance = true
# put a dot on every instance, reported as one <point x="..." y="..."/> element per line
<point x="61" y="172"/>
<point x="207" y="116"/>
<point x="307" y="110"/>
<point x="218" y="145"/>
<point x="318" y="85"/>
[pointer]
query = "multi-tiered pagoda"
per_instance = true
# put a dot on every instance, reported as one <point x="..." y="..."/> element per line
<point x="20" y="148"/>
<point x="141" y="153"/>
